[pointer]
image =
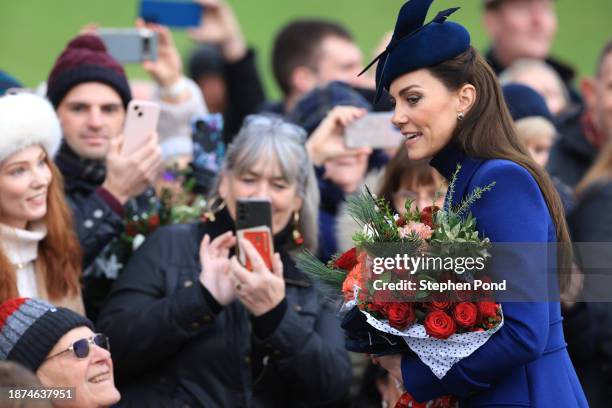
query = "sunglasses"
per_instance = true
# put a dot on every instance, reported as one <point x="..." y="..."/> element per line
<point x="81" y="348"/>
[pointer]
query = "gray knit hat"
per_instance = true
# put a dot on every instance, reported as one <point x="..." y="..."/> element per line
<point x="30" y="328"/>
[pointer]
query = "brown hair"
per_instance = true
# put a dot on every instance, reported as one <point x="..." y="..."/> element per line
<point x="400" y="168"/>
<point x="59" y="253"/>
<point x="488" y="132"/>
<point x="299" y="44"/>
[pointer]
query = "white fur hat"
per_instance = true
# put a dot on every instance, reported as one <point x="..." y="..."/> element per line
<point x="27" y="119"/>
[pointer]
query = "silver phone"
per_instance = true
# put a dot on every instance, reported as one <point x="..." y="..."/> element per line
<point x="373" y="130"/>
<point x="130" y="45"/>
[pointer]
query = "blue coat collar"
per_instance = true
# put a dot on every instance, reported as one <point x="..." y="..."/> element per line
<point x="446" y="161"/>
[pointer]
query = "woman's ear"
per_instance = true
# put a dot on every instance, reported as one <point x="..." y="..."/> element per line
<point x="467" y="97"/>
<point x="297" y="203"/>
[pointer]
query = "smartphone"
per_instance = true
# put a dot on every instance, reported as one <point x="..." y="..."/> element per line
<point x="208" y="149"/>
<point x="254" y="223"/>
<point x="130" y="45"/>
<point x="373" y="130"/>
<point x="141" y="120"/>
<point x="171" y="13"/>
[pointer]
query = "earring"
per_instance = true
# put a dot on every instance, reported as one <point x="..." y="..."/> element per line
<point x="460" y="116"/>
<point x="209" y="212"/>
<point x="297" y="235"/>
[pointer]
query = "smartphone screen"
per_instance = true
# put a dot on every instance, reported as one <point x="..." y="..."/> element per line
<point x="254" y="223"/>
<point x="374" y="130"/>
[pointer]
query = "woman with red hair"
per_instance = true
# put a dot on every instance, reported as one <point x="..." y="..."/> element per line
<point x="39" y="254"/>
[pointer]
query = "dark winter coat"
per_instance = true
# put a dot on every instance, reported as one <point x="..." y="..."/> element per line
<point x="173" y="345"/>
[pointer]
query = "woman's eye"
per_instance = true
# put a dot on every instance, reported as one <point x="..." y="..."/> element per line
<point x="248" y="180"/>
<point x="280" y="186"/>
<point x="17" y="171"/>
<point x="413" y="100"/>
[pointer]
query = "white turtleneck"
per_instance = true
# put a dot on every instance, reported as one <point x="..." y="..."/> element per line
<point x="21" y="248"/>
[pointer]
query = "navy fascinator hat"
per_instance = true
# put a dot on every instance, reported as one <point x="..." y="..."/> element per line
<point x="415" y="45"/>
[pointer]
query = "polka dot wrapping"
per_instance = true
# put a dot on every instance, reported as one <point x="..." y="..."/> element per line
<point x="438" y="354"/>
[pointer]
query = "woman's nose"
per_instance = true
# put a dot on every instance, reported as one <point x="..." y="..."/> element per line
<point x="262" y="190"/>
<point x="399" y="118"/>
<point x="40" y="179"/>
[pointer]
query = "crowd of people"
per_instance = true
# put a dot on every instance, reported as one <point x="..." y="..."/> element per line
<point x="188" y="324"/>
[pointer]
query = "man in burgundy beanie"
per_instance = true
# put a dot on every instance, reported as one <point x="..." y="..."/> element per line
<point x="85" y="60"/>
<point x="90" y="93"/>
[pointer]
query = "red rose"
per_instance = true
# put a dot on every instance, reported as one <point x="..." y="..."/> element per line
<point x="439" y="325"/>
<point x="465" y="314"/>
<point x="439" y="305"/>
<point x="131" y="229"/>
<point x="487" y="309"/>
<point x="427" y="215"/>
<point x="466" y="295"/>
<point x="154" y="221"/>
<point x="447" y="401"/>
<point x="407" y="401"/>
<point x="400" y="315"/>
<point x="375" y="307"/>
<point x="347" y="260"/>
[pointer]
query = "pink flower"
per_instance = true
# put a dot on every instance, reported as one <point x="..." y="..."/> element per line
<point x="421" y="230"/>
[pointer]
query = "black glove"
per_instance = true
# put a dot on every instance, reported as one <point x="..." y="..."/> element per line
<point x="363" y="338"/>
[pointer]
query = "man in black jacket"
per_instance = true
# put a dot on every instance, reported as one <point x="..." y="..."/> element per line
<point x="524" y="29"/>
<point x="584" y="132"/>
<point x="90" y="92"/>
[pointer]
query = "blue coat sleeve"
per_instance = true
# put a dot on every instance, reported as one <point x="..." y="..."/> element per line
<point x="513" y="211"/>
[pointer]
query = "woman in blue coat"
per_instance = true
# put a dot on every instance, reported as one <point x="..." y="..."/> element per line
<point x="448" y="106"/>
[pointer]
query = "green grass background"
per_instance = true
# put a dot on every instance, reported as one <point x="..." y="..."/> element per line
<point x="33" y="32"/>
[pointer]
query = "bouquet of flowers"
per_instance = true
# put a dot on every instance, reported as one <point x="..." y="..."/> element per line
<point x="177" y="204"/>
<point x="407" y="283"/>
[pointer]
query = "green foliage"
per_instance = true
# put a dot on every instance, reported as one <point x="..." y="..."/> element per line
<point x="331" y="278"/>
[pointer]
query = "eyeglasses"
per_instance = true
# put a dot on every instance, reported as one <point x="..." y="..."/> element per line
<point x="81" y="348"/>
<point x="271" y="121"/>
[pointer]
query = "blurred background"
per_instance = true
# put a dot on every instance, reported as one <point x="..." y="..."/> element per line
<point x="33" y="32"/>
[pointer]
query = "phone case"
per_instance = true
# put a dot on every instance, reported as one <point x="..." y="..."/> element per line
<point x="179" y="14"/>
<point x="130" y="45"/>
<point x="140" y="122"/>
<point x="254" y="222"/>
<point x="374" y="130"/>
<point x="261" y="238"/>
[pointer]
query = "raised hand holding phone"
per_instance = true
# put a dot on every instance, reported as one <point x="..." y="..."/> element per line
<point x="261" y="289"/>
<point x="128" y="175"/>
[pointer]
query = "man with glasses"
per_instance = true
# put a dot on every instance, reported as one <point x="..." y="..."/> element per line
<point x="60" y="346"/>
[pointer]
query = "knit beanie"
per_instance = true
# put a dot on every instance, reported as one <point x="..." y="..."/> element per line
<point x="27" y="119"/>
<point x="30" y="328"/>
<point x="85" y="59"/>
<point x="7" y="82"/>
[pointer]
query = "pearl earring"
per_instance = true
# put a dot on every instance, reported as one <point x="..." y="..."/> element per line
<point x="460" y="116"/>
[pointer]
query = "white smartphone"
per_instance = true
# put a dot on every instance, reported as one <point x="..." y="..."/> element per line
<point x="374" y="130"/>
<point x="140" y="122"/>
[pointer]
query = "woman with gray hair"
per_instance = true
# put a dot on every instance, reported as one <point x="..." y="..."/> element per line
<point x="191" y="326"/>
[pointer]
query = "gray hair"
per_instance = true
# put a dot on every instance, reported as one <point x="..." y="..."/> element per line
<point x="272" y="138"/>
<point x="526" y="64"/>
